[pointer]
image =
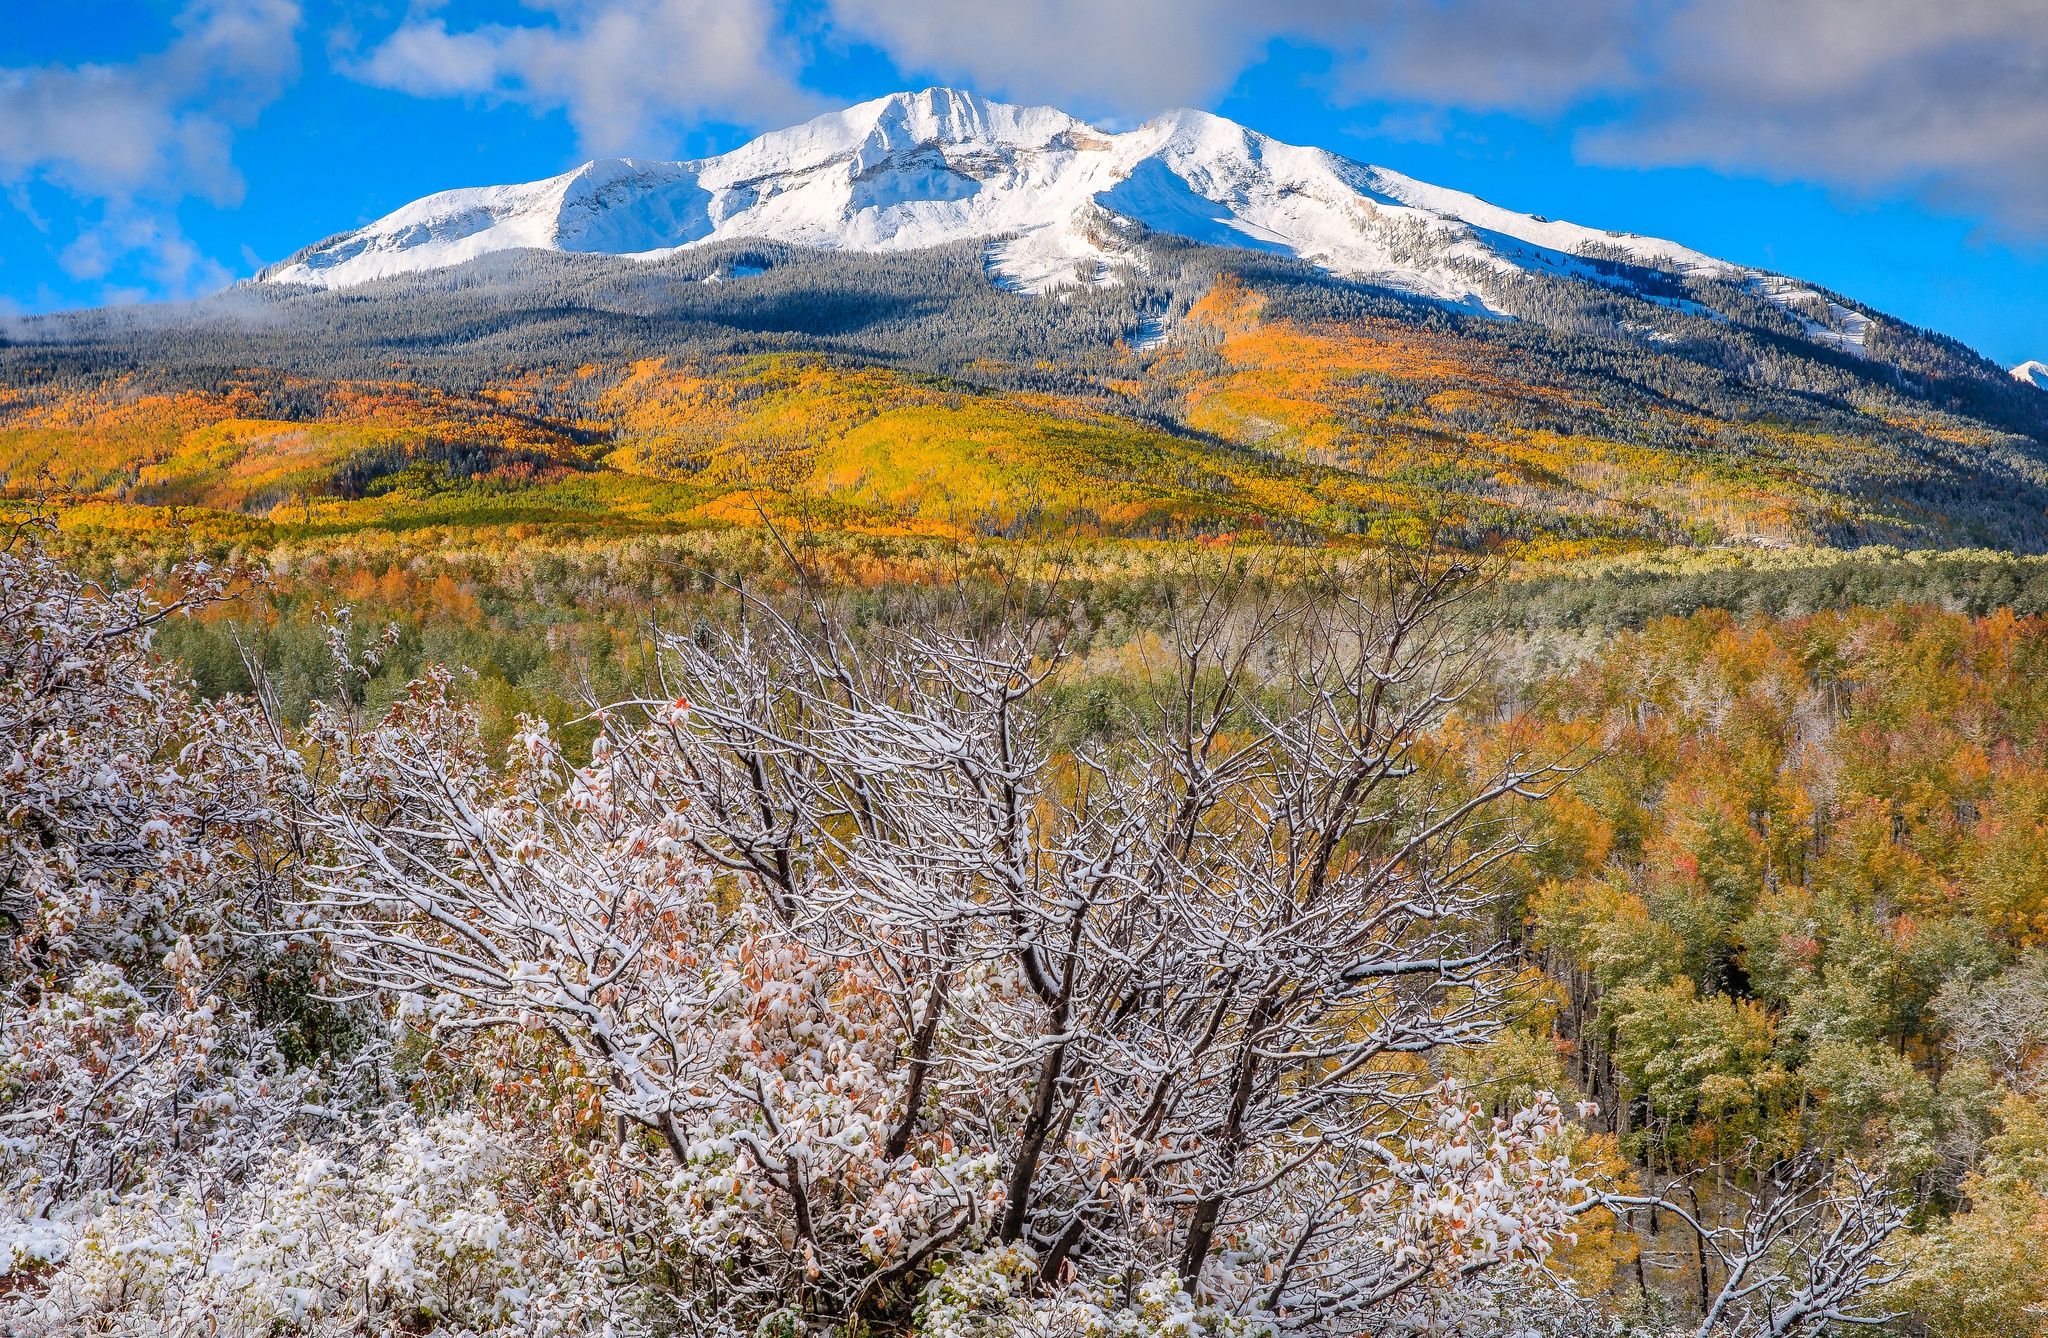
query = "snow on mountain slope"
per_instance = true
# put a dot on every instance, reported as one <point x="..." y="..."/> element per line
<point x="1827" y="322"/>
<point x="1057" y="199"/>
<point x="2034" y="373"/>
<point x="613" y="205"/>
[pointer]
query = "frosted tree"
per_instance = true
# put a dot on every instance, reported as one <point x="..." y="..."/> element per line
<point x="138" y="859"/>
<point x="2002" y="1023"/>
<point x="1812" y="1251"/>
<point x="885" y="977"/>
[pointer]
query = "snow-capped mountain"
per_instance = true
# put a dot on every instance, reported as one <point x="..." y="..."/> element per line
<point x="2034" y="372"/>
<point x="1057" y="199"/>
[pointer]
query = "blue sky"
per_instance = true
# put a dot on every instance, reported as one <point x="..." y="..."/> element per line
<point x="1889" y="149"/>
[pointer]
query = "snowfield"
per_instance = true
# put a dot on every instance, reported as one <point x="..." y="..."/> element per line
<point x="1058" y="200"/>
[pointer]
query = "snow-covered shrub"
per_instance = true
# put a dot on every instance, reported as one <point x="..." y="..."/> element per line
<point x="134" y="815"/>
<point x="427" y="1228"/>
<point x="109" y="1093"/>
<point x="995" y="1293"/>
<point x="868" y="992"/>
<point x="141" y="855"/>
<point x="761" y="1072"/>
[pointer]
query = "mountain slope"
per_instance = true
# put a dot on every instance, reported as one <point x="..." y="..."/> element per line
<point x="2033" y="373"/>
<point x="935" y="314"/>
<point x="1058" y="200"/>
<point x="540" y="394"/>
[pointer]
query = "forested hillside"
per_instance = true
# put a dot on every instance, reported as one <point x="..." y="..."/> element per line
<point x="1202" y="392"/>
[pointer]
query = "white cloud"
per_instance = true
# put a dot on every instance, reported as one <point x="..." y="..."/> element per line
<point x="1141" y="56"/>
<point x="173" y="264"/>
<point x="1949" y="100"/>
<point x="1529" y="56"/>
<point x="141" y="136"/>
<point x="627" y="72"/>
<point x="1126" y="56"/>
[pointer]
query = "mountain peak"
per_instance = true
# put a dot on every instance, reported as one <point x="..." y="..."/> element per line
<point x="870" y="131"/>
<point x="958" y="116"/>
<point x="943" y="165"/>
<point x="2033" y="372"/>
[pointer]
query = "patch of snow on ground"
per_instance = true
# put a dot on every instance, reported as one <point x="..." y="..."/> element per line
<point x="28" y="1244"/>
<point x="1826" y="321"/>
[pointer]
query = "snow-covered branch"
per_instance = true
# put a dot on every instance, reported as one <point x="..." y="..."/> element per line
<point x="1814" y="1246"/>
<point x="887" y="972"/>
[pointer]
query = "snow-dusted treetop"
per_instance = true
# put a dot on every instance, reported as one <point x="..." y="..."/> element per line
<point x="1053" y="194"/>
<point x="2034" y="372"/>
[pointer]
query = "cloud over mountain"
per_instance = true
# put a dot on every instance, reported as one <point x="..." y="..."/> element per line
<point x="1873" y="95"/>
<point x="138" y="137"/>
<point x="1869" y="95"/>
<point x="627" y="72"/>
<point x="1949" y="101"/>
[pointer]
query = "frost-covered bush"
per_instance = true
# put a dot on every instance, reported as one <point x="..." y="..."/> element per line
<point x="762" y="1073"/>
<point x="134" y="815"/>
<point x="994" y="1293"/>
<point x="869" y="986"/>
<point x="430" y="1227"/>
<point x="141" y="853"/>
<point x="111" y="1093"/>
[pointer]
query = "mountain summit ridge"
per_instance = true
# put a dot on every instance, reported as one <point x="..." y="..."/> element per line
<point x="1056" y="199"/>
